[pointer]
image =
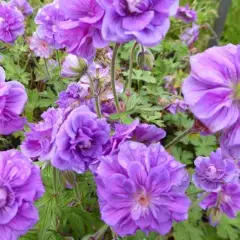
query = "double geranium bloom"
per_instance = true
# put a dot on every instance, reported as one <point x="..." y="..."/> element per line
<point x="143" y="188"/>
<point x="145" y="21"/>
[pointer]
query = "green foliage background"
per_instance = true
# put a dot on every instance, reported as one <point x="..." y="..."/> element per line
<point x="62" y="214"/>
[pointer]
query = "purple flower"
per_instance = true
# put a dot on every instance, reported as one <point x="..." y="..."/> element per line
<point x="226" y="201"/>
<point x="142" y="188"/>
<point x="48" y="19"/>
<point x="177" y="106"/>
<point x="81" y="39"/>
<point x="212" y="172"/>
<point x="144" y="21"/>
<point x="229" y="140"/>
<point x="186" y="14"/>
<point x="74" y="95"/>
<point x="40" y="141"/>
<point x="20" y="186"/>
<point x="88" y="11"/>
<point x="80" y="140"/>
<point x="12" y="101"/>
<point x="212" y="89"/>
<point x="81" y="34"/>
<point x="23" y="6"/>
<point x="144" y="133"/>
<point x="11" y="23"/>
<point x="40" y="47"/>
<point x="190" y="35"/>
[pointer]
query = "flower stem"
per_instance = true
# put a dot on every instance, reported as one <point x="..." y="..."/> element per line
<point x="97" y="102"/>
<point x="59" y="63"/>
<point x="77" y="193"/>
<point x="46" y="67"/>
<point x="178" y="138"/>
<point x="129" y="85"/>
<point x="195" y="193"/>
<point x="55" y="179"/>
<point x="113" y="76"/>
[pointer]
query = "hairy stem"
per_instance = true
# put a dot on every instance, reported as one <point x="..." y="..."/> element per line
<point x="131" y="60"/>
<point x="55" y="179"/>
<point x="178" y="138"/>
<point x="59" y="63"/>
<point x="46" y="67"/>
<point x="95" y="95"/>
<point x="113" y="76"/>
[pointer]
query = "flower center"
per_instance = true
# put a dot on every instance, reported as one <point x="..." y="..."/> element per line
<point x="143" y="199"/>
<point x="226" y="198"/>
<point x="211" y="172"/>
<point x="236" y="90"/>
<point x="137" y="6"/>
<point x="3" y="197"/>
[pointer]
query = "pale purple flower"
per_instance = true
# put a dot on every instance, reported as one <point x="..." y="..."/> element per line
<point x="226" y="201"/>
<point x="12" y="101"/>
<point x="145" y="21"/>
<point x="144" y="133"/>
<point x="186" y="14"/>
<point x="88" y="11"/>
<point x="142" y="188"/>
<point x="40" y="47"/>
<point x="177" y="106"/>
<point x="74" y="95"/>
<point x="213" y="171"/>
<point x="40" y="141"/>
<point x="190" y="35"/>
<point x="20" y="186"/>
<point x="23" y="6"/>
<point x="11" y="23"/>
<point x="212" y="89"/>
<point x="48" y="20"/>
<point x="230" y="141"/>
<point x="81" y="39"/>
<point x="81" y="34"/>
<point x="80" y="140"/>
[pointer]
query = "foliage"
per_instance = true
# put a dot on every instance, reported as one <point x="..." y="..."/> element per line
<point x="62" y="213"/>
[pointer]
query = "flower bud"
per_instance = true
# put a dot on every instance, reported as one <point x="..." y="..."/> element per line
<point x="69" y="178"/>
<point x="145" y="60"/>
<point x="215" y="216"/>
<point x="74" y="67"/>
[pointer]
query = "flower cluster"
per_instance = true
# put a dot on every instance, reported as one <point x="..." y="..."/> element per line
<point x="190" y="34"/>
<point x="20" y="186"/>
<point x="83" y="26"/>
<point x="212" y="92"/>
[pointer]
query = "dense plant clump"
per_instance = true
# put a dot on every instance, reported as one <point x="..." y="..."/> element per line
<point x="115" y="125"/>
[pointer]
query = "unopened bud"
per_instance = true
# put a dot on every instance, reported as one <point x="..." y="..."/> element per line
<point x="145" y="59"/>
<point x="69" y="178"/>
<point x="74" y="67"/>
<point x="215" y="216"/>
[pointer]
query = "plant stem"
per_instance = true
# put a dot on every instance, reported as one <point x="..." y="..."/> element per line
<point x="46" y="67"/>
<point x="129" y="85"/>
<point x="59" y="63"/>
<point x="55" y="179"/>
<point x="97" y="102"/>
<point x="178" y="138"/>
<point x="77" y="193"/>
<point x="113" y="76"/>
<point x="195" y="193"/>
